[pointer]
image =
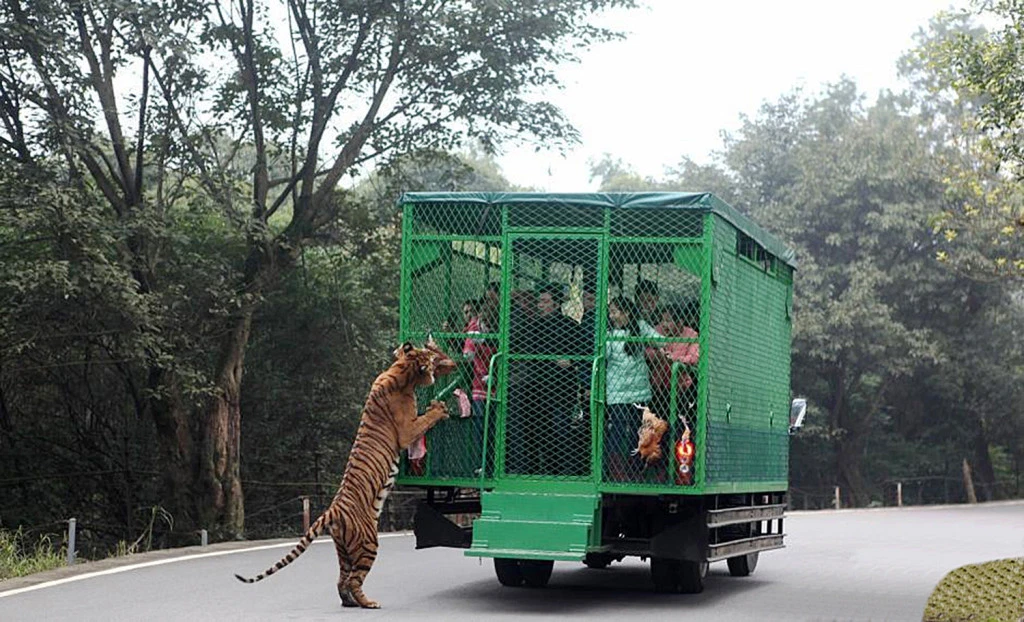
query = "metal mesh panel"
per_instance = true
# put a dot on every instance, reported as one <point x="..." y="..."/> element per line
<point x="456" y="220"/>
<point x="656" y="223"/>
<point x="747" y="422"/>
<point x="547" y="415"/>
<point x="651" y="356"/>
<point x="452" y="265"/>
<point x="553" y="216"/>
<point x="543" y="342"/>
<point x="446" y="275"/>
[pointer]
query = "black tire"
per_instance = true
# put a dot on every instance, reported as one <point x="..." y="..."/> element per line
<point x="509" y="572"/>
<point x="536" y="572"/>
<point x="743" y="565"/>
<point x="665" y="574"/>
<point x="691" y="576"/>
<point x="598" y="560"/>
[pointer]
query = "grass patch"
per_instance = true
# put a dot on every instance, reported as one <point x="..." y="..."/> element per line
<point x="19" y="557"/>
<point x="989" y="592"/>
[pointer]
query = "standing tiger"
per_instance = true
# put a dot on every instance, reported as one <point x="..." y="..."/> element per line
<point x="389" y="424"/>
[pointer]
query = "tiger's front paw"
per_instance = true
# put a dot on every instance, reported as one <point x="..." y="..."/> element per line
<point x="438" y="409"/>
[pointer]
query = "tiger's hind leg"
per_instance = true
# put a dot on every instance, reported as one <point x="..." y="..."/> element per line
<point x="363" y="554"/>
<point x="344" y="564"/>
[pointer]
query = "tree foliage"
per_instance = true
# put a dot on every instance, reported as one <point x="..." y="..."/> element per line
<point x="971" y="77"/>
<point x="204" y="147"/>
<point x="882" y="333"/>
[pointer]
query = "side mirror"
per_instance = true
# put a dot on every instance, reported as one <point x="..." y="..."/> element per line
<point x="797" y="411"/>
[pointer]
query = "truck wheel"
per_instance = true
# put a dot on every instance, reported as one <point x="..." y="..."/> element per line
<point x="510" y="574"/>
<point x="691" y="576"/>
<point x="536" y="572"/>
<point x="598" y="560"/>
<point x="665" y="574"/>
<point x="743" y="565"/>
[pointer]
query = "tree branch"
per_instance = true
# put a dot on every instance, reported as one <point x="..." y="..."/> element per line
<point x="141" y="132"/>
<point x="53" y="104"/>
<point x="103" y="84"/>
<point x="250" y="74"/>
<point x="323" y="106"/>
<point x="362" y="133"/>
<point x="206" y="178"/>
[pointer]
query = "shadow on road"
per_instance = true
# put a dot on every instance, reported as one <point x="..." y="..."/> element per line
<point x="577" y="590"/>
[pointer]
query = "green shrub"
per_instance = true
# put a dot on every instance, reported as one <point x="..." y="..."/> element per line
<point x="989" y="592"/>
<point x="19" y="557"/>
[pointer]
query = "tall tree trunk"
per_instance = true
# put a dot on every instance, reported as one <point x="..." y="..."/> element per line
<point x="850" y="480"/>
<point x="981" y="464"/>
<point x="222" y="504"/>
<point x="177" y="447"/>
<point x="848" y="443"/>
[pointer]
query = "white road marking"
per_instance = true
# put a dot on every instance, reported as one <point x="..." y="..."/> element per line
<point x="289" y="545"/>
<point x="172" y="560"/>
<point x="906" y="508"/>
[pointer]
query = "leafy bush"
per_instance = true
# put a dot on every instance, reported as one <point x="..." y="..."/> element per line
<point x="19" y="557"/>
<point x="989" y="592"/>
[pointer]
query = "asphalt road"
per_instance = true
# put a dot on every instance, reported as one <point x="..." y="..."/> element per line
<point x="849" y="565"/>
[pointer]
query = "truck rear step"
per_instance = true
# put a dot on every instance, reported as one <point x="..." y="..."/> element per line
<point x="522" y="525"/>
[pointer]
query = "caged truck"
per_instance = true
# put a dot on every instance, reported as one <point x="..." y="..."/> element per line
<point x="570" y="314"/>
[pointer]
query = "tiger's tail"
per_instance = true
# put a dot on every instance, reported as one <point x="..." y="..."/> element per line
<point x="311" y="534"/>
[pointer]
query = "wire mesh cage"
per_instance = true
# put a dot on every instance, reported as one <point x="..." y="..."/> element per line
<point x="582" y="324"/>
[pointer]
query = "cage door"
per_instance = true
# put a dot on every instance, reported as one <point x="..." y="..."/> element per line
<point x="551" y="348"/>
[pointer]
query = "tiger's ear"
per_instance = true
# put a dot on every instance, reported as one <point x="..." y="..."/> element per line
<point x="444" y="363"/>
<point x="405" y="348"/>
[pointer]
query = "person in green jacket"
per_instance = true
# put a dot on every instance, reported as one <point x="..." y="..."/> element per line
<point x="627" y="384"/>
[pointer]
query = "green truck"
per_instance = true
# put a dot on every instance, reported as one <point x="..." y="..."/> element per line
<point x="624" y="386"/>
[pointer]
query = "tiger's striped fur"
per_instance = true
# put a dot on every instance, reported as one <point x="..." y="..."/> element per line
<point x="389" y="424"/>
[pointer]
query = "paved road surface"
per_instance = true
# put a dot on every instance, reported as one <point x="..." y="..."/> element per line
<point x="851" y="565"/>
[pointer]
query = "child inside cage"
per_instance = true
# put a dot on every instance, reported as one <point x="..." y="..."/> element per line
<point x="677" y="320"/>
<point x="627" y="383"/>
<point x="478" y="351"/>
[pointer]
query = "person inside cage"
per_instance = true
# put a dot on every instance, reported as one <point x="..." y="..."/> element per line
<point x="588" y="329"/>
<point x="492" y="297"/>
<point x="627" y="385"/>
<point x="470" y="314"/>
<point x="647" y="298"/>
<point x="588" y="321"/>
<point x="478" y="351"/>
<point x="677" y="320"/>
<point x="544" y="388"/>
<point x="579" y="434"/>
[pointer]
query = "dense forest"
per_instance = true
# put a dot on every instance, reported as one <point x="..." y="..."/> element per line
<point x="199" y="269"/>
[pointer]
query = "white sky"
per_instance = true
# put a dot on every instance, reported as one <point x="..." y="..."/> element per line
<point x="687" y="70"/>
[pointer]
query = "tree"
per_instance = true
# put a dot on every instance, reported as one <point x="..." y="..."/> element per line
<point x="849" y="188"/>
<point x="971" y="76"/>
<point x="260" y="110"/>
<point x="882" y="332"/>
<point x="321" y="338"/>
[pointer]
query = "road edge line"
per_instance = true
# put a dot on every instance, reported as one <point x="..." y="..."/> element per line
<point x="160" y="562"/>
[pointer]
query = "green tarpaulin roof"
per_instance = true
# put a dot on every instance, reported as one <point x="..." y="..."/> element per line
<point x="702" y="201"/>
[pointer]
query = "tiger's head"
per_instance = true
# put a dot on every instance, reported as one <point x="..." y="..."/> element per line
<point x="426" y="362"/>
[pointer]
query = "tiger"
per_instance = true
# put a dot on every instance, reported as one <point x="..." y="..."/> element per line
<point x="388" y="425"/>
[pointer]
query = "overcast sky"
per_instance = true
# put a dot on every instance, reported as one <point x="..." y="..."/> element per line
<point x="687" y="70"/>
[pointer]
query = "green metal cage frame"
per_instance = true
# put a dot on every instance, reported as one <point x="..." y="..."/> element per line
<point x="745" y="294"/>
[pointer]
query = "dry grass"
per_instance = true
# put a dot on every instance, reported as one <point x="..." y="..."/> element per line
<point x="20" y="557"/>
<point x="989" y="592"/>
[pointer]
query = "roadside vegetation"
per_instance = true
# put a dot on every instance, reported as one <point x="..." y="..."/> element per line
<point x="199" y="274"/>
<point x="989" y="592"/>
<point x="21" y="555"/>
